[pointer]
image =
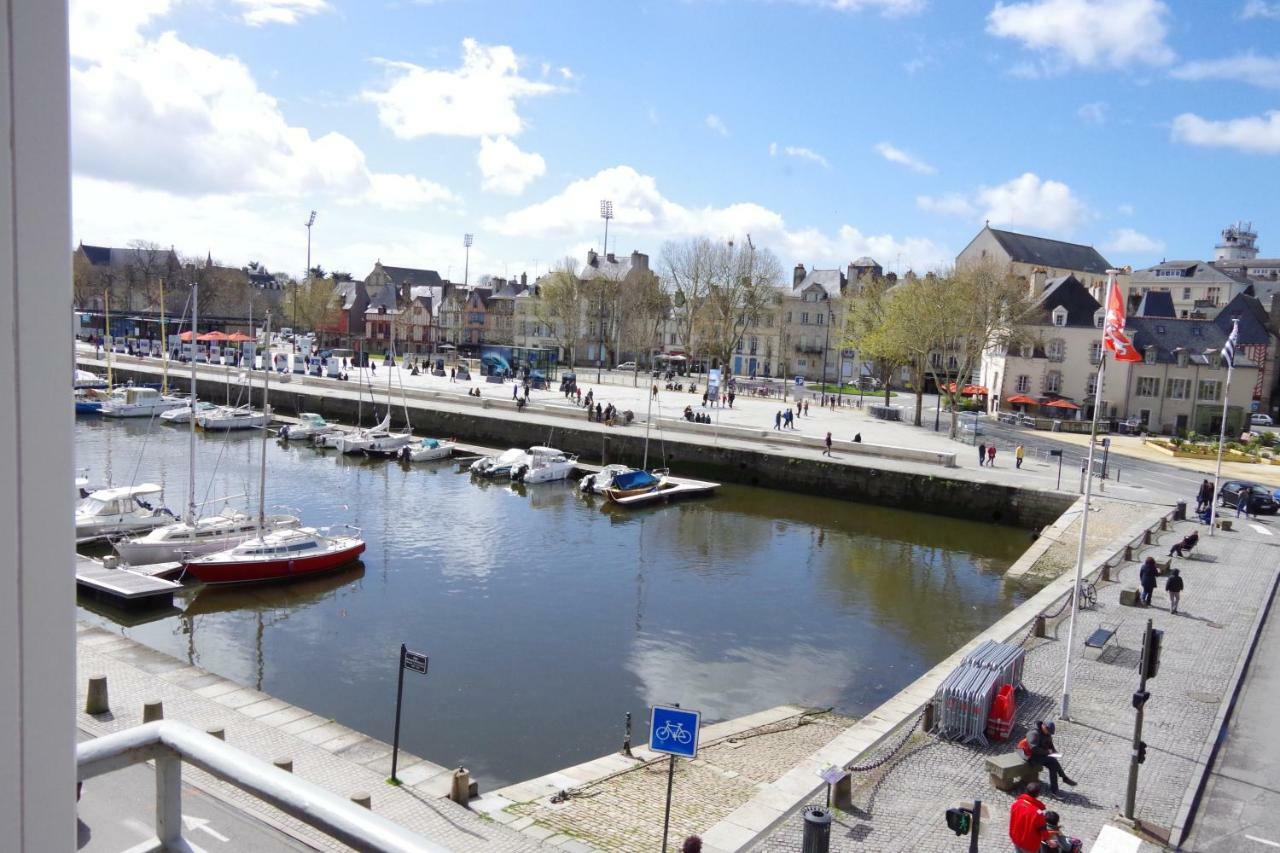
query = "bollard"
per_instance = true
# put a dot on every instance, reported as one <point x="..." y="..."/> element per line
<point x="1106" y="573"/>
<point x="1128" y="553"/>
<point x="216" y="731"/>
<point x="361" y="798"/>
<point x="285" y="764"/>
<point x="817" y="830"/>
<point x="460" y="790"/>
<point x="152" y="710"/>
<point x="1039" y="628"/>
<point x="1146" y="537"/>
<point x="626" y="740"/>
<point x="1164" y="523"/>
<point x="1180" y="511"/>
<point x="95" y="700"/>
<point x="926" y="722"/>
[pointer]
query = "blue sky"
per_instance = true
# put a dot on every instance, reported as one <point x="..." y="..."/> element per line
<point x="827" y="129"/>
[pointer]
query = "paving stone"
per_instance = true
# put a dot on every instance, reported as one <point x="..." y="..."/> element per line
<point x="263" y="707"/>
<point x="284" y="716"/>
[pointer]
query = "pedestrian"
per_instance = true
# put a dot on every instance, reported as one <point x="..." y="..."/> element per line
<point x="982" y="454"/>
<point x="787" y="419"/>
<point x="692" y="844"/>
<point x="1039" y="750"/>
<point x="731" y="396"/>
<point x="453" y="374"/>
<point x="1054" y="839"/>
<point x="777" y="419"/>
<point x="806" y="408"/>
<point x="655" y="390"/>
<point x="1026" y="820"/>
<point x="1204" y="497"/>
<point x="799" y="408"/>
<point x="515" y="390"/>
<point x="599" y="412"/>
<point x="704" y="399"/>
<point x="1173" y="586"/>
<point x="1183" y="547"/>
<point x="1147" y="578"/>
<point x="857" y="439"/>
<point x="991" y="455"/>
<point x="827" y="452"/>
<point x="1017" y="455"/>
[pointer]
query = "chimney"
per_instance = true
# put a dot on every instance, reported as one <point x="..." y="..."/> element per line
<point x="593" y="260"/>
<point x="406" y="293"/>
<point x="1036" y="283"/>
<point x="640" y="261"/>
<point x="798" y="275"/>
<point x="610" y="258"/>
<point x="524" y="279"/>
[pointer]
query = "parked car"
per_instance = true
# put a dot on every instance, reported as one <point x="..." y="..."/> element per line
<point x="1260" y="500"/>
<point x="1259" y="419"/>
<point x="626" y="365"/>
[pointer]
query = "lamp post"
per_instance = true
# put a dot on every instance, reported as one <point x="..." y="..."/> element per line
<point x="606" y="213"/>
<point x="311" y="220"/>
<point x="826" y="340"/>
<point x="467" y="240"/>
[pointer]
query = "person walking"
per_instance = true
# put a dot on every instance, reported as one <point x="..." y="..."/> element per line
<point x="1147" y="578"/>
<point x="732" y="394"/>
<point x="1041" y="752"/>
<point x="982" y="454"/>
<point x="787" y="419"/>
<point x="806" y="408"/>
<point x="827" y="452"/>
<point x="1026" y="820"/>
<point x="1018" y="453"/>
<point x="777" y="419"/>
<point x="1173" y="586"/>
<point x="991" y="456"/>
<point x="1204" y="497"/>
<point x="515" y="390"/>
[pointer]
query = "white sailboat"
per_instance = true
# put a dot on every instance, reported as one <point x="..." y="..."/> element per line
<point x="231" y="417"/>
<point x="139" y="402"/>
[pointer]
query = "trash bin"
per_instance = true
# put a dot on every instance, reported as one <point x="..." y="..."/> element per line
<point x="1180" y="511"/>
<point x="817" y="830"/>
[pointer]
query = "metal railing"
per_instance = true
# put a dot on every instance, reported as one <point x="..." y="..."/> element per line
<point x="170" y="744"/>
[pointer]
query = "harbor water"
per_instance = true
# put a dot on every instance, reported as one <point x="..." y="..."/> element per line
<point x="546" y="616"/>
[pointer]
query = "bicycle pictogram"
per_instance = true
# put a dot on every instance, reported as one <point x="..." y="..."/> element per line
<point x="674" y="731"/>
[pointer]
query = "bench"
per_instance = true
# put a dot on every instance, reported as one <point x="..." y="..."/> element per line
<point x="1011" y="769"/>
<point x="1101" y="636"/>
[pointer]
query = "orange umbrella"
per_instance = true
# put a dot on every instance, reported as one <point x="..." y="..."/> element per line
<point x="213" y="336"/>
<point x="1021" y="400"/>
<point x="238" y="338"/>
<point x="1063" y="404"/>
<point x="973" y="390"/>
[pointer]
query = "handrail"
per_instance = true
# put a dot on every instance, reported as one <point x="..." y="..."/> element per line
<point x="170" y="743"/>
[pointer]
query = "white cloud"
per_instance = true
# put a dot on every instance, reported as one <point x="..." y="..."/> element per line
<point x="1253" y="134"/>
<point x="566" y="72"/>
<point x="1086" y="33"/>
<point x="1260" y="9"/>
<point x="800" y="153"/>
<point x="507" y="169"/>
<point x="717" y="124"/>
<point x="1133" y="242"/>
<point x="259" y="12"/>
<point x="887" y="8"/>
<point x="902" y="158"/>
<point x="160" y="113"/>
<point x="478" y="99"/>
<point x="1026" y="201"/>
<point x="643" y="213"/>
<point x="1261" y="71"/>
<point x="1125" y="209"/>
<point x="915" y="66"/>
<point x="1092" y="113"/>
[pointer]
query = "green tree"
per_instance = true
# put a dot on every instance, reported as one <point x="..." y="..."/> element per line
<point x="867" y="332"/>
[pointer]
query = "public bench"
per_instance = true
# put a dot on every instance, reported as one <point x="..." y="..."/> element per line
<point x="1011" y="769"/>
<point x="1101" y="636"/>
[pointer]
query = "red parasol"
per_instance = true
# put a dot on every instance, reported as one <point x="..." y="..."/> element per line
<point x="1063" y="404"/>
<point x="1021" y="400"/>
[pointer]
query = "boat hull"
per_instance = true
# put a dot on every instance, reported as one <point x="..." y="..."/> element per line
<point x="260" y="571"/>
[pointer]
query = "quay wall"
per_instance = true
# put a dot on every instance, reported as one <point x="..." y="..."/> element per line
<point x="496" y="422"/>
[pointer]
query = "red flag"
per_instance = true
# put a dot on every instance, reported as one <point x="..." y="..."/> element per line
<point x="1113" y="336"/>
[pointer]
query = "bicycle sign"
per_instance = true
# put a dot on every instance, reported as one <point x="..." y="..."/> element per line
<point x="674" y="731"/>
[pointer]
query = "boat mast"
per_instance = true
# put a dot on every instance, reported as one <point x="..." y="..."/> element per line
<point x="110" y="343"/>
<point x="164" y="375"/>
<point x="191" y="479"/>
<point x="266" y="419"/>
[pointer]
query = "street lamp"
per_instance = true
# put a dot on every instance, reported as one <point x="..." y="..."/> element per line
<point x="826" y="340"/>
<point x="311" y="220"/>
<point x="606" y="213"/>
<point x="467" y="240"/>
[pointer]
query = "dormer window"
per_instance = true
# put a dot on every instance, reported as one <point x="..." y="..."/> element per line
<point x="1059" y="316"/>
<point x="1149" y="355"/>
<point x="1098" y="317"/>
<point x="1183" y="358"/>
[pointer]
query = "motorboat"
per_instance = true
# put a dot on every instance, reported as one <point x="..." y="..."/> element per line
<point x="88" y="401"/>
<point x="183" y="414"/>
<point x="276" y="555"/>
<point x="635" y="482"/>
<point x="329" y="440"/>
<point x="181" y="540"/>
<point x="596" y="483"/>
<point x="309" y="426"/>
<point x="85" y="380"/>
<point x="388" y="445"/>
<point x="126" y="509"/>
<point x="500" y="466"/>
<point x="139" y="402"/>
<point x="545" y="465"/>
<point x="426" y="450"/>
<point x="227" y="418"/>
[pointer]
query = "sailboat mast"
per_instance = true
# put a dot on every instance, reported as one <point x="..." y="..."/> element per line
<point x="110" y="343"/>
<point x="266" y="416"/>
<point x="191" y="479"/>
<point x="164" y="375"/>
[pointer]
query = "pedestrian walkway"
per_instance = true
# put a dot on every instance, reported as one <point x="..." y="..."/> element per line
<point x="326" y="753"/>
<point x="900" y="807"/>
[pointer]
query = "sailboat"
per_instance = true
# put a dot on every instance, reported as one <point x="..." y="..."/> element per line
<point x="192" y="535"/>
<point x="385" y="442"/>
<point x="279" y="554"/>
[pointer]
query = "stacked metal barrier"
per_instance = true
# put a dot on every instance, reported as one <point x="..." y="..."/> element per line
<point x="963" y="701"/>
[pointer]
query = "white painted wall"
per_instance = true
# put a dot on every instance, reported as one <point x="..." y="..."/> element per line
<point x="37" y="589"/>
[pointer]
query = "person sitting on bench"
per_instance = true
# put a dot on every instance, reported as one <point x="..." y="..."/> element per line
<point x="1184" y="547"/>
<point x="1040" y="751"/>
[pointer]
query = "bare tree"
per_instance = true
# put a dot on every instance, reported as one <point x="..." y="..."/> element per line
<point x="744" y="285"/>
<point x="689" y="269"/>
<point x="642" y="307"/>
<point x="561" y="307"/>
<point x="87" y="283"/>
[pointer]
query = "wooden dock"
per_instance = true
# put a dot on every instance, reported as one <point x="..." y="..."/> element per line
<point x="124" y="587"/>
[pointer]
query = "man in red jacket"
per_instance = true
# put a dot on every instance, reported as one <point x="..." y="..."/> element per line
<point x="1026" y="820"/>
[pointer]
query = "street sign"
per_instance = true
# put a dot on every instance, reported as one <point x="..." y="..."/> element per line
<point x="415" y="661"/>
<point x="833" y="774"/>
<point x="674" y="731"/>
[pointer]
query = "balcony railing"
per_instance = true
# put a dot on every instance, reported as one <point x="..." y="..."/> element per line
<point x="169" y="744"/>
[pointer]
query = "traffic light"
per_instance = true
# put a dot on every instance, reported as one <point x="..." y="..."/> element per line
<point x="959" y="821"/>
<point x="1151" y="660"/>
<point x="1142" y="751"/>
<point x="1140" y="697"/>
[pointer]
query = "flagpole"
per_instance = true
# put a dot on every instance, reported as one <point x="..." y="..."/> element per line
<point x="1084" y="516"/>
<point x="1222" y="431"/>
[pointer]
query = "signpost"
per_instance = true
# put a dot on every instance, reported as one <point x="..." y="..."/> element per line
<point x="832" y="776"/>
<point x="674" y="731"/>
<point x="1057" y="453"/>
<point x="417" y="662"/>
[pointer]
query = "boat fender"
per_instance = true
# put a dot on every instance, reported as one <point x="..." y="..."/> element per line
<point x="404" y="454"/>
<point x="589" y="483"/>
<point x="284" y="432"/>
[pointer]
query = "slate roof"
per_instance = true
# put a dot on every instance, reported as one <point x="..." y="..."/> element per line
<point x="1169" y="335"/>
<point x="350" y="292"/>
<point x="110" y="256"/>
<point x="1156" y="303"/>
<point x="1067" y="292"/>
<point x="1026" y="249"/>
<point x="413" y="277"/>
<point x="831" y="281"/>
<point x="1197" y="272"/>
<point x="1255" y="322"/>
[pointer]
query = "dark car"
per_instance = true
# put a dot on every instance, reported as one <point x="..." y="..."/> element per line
<point x="1260" y="500"/>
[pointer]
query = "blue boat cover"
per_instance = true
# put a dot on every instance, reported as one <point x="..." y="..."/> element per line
<point x="431" y="443"/>
<point x="634" y="480"/>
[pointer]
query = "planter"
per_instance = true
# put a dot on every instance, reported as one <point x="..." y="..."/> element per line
<point x="1206" y="453"/>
